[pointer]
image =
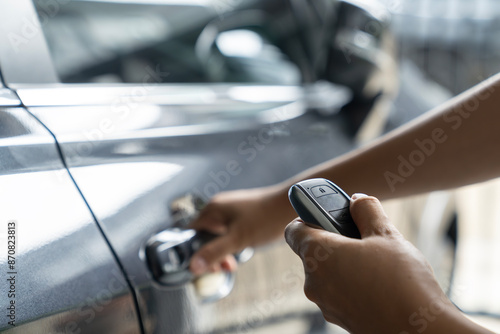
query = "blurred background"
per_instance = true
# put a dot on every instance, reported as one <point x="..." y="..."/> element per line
<point x="454" y="45"/>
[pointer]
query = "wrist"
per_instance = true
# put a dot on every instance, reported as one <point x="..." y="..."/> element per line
<point x="440" y="316"/>
<point x="277" y="199"/>
<point x="454" y="321"/>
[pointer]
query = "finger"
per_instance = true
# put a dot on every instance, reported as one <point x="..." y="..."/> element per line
<point x="212" y="253"/>
<point x="369" y="216"/>
<point x="300" y="237"/>
<point x="229" y="263"/>
<point x="211" y="219"/>
<point x="216" y="267"/>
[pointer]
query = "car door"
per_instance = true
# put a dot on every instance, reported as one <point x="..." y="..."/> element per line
<point x="134" y="149"/>
<point x="58" y="273"/>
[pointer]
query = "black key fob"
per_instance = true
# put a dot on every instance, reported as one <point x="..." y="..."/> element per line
<point x="323" y="203"/>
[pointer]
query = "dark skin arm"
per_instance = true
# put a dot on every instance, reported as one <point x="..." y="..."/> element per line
<point x="460" y="142"/>
<point x="451" y="146"/>
<point x="454" y="145"/>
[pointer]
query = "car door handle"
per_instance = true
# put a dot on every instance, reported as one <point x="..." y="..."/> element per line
<point x="186" y="208"/>
<point x="169" y="253"/>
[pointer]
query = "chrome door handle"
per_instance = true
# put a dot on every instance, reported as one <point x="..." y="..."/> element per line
<point x="186" y="208"/>
<point x="169" y="253"/>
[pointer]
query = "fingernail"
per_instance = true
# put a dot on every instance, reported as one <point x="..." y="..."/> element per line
<point x="358" y="195"/>
<point x="198" y="266"/>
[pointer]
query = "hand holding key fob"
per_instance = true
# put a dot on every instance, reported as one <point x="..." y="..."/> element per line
<point x="323" y="203"/>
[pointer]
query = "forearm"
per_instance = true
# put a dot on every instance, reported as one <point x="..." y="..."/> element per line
<point x="448" y="321"/>
<point x="456" y="144"/>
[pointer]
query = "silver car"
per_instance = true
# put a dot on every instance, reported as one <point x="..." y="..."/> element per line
<point x="117" y="120"/>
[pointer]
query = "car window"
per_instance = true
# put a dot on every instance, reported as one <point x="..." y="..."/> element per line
<point x="154" y="41"/>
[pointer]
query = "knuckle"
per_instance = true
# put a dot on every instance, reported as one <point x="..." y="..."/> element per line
<point x="211" y="209"/>
<point x="289" y="232"/>
<point x="310" y="291"/>
<point x="388" y="230"/>
<point x="211" y="252"/>
<point x="207" y="252"/>
<point x="294" y="238"/>
<point x="330" y="318"/>
<point x="305" y="245"/>
<point x="385" y="230"/>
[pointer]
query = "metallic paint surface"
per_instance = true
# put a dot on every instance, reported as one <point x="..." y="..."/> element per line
<point x="130" y="175"/>
<point x="199" y="97"/>
<point x="8" y="98"/>
<point x="67" y="278"/>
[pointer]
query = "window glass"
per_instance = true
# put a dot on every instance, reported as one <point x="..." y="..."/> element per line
<point x="138" y="41"/>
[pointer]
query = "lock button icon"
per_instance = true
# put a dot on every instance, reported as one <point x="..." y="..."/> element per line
<point x="320" y="191"/>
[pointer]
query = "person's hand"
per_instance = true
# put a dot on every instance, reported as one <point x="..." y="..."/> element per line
<point x="379" y="284"/>
<point x="243" y="218"/>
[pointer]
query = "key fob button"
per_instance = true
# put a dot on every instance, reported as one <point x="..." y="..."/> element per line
<point x="335" y="201"/>
<point x="341" y="216"/>
<point x="323" y="190"/>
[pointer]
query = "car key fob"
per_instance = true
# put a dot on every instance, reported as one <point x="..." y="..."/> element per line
<point x="321" y="202"/>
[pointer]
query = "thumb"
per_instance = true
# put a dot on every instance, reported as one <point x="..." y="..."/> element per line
<point x="369" y="216"/>
<point x="212" y="253"/>
<point x="304" y="239"/>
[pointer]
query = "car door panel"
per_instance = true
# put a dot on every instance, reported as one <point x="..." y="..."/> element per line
<point x="131" y="174"/>
<point x="61" y="276"/>
<point x="134" y="149"/>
